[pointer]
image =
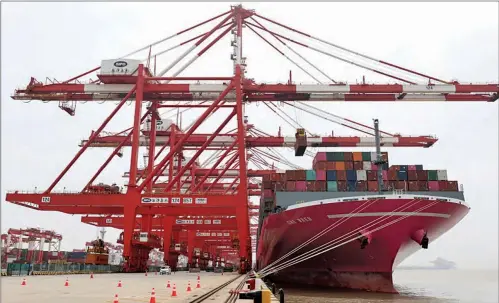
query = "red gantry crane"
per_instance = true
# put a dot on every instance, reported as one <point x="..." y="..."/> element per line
<point x="194" y="189"/>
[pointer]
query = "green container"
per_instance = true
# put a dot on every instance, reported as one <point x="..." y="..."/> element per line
<point x="332" y="186"/>
<point x="366" y="156"/>
<point x="311" y="175"/>
<point x="339" y="156"/>
<point x="432" y="175"/>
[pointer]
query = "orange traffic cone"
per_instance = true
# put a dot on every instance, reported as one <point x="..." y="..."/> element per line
<point x="168" y="285"/>
<point x="119" y="283"/>
<point x="189" y="286"/>
<point x="174" y="290"/>
<point x="198" y="285"/>
<point x="116" y="299"/>
<point x="198" y="278"/>
<point x="23" y="283"/>
<point x="91" y="275"/>
<point x="67" y="282"/>
<point x="153" y="297"/>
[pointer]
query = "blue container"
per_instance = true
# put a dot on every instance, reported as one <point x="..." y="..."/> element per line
<point x="351" y="175"/>
<point x="404" y="167"/>
<point x="352" y="185"/>
<point x="419" y="167"/>
<point x="310" y="175"/>
<point x="331" y="175"/>
<point x="332" y="186"/>
<point x="402" y="175"/>
<point x="385" y="166"/>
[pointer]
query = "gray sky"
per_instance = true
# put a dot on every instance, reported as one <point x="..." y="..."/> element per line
<point x="450" y="41"/>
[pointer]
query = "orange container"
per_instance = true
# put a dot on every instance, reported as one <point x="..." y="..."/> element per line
<point x="340" y="165"/>
<point x="357" y="156"/>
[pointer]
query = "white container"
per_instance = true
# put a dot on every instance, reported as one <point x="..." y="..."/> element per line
<point x="361" y="175"/>
<point x="119" y="67"/>
<point x="442" y="175"/>
<point x="366" y="165"/>
<point x="374" y="156"/>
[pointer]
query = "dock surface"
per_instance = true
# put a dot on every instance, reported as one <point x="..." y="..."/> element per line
<point x="102" y="288"/>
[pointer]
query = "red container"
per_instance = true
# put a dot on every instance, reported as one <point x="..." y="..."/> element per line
<point x="349" y="165"/>
<point x="341" y="175"/>
<point x="290" y="186"/>
<point x="330" y="166"/>
<point x="357" y="165"/>
<point x="433" y="186"/>
<point x="372" y="175"/>
<point x="320" y="175"/>
<point x="372" y="185"/>
<point x="266" y="178"/>
<point x="301" y="186"/>
<point x="321" y="186"/>
<point x="394" y="168"/>
<point x="442" y="185"/>
<point x="280" y="186"/>
<point x="452" y="186"/>
<point x="422" y="175"/>
<point x="267" y="193"/>
<point x="342" y="185"/>
<point x="374" y="166"/>
<point x="348" y="156"/>
<point x="301" y="175"/>
<point x="412" y="175"/>
<point x="385" y="175"/>
<point x="423" y="185"/>
<point x="361" y="186"/>
<point x="413" y="186"/>
<point x="291" y="175"/>
<point x="392" y="175"/>
<point x="320" y="166"/>
<point x="411" y="167"/>
<point x="319" y="157"/>
<point x="310" y="185"/>
<point x="267" y="184"/>
<point x="400" y="185"/>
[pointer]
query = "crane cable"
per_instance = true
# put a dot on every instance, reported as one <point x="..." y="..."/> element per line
<point x="333" y="246"/>
<point x="351" y="214"/>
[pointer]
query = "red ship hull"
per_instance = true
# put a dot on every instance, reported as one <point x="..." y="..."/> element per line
<point x="349" y="266"/>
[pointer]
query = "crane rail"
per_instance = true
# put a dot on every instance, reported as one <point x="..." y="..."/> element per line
<point x="212" y="292"/>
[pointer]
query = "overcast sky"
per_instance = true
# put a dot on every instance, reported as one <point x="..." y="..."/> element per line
<point x="446" y="40"/>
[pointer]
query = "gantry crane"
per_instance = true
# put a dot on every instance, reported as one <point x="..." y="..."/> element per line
<point x="127" y="79"/>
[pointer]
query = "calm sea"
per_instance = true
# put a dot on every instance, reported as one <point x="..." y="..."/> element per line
<point x="439" y="286"/>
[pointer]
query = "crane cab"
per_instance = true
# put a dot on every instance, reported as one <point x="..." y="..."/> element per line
<point x="301" y="142"/>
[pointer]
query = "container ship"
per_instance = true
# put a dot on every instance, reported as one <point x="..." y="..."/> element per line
<point x="356" y="193"/>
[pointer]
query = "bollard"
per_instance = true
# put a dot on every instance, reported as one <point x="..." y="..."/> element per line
<point x="281" y="295"/>
<point x="272" y="288"/>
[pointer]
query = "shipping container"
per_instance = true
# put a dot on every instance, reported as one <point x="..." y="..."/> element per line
<point x="412" y="175"/>
<point x="357" y="156"/>
<point x="267" y="184"/>
<point x="290" y="185"/>
<point x="401" y="185"/>
<point x="452" y="186"/>
<point x="320" y="157"/>
<point x="413" y="186"/>
<point x="385" y="166"/>
<point x="422" y="175"/>
<point x="290" y="175"/>
<point x="266" y="178"/>
<point x="374" y="156"/>
<point x="361" y="186"/>
<point x="339" y="165"/>
<point x="392" y="175"/>
<point x="310" y="175"/>
<point x="335" y="156"/>
<point x="361" y="175"/>
<point x="301" y="175"/>
<point x="402" y="175"/>
<point x="372" y="185"/>
<point x="442" y="185"/>
<point x="394" y="168"/>
<point x="384" y="174"/>
<point x="332" y="186"/>
<point x="321" y="166"/>
<point x="433" y="186"/>
<point x="267" y="193"/>
<point x="311" y="186"/>
<point x="349" y="165"/>
<point x="351" y="185"/>
<point x="320" y="175"/>
<point x="374" y="166"/>
<point x="330" y="166"/>
<point x="419" y="167"/>
<point x="366" y="156"/>
<point x="358" y="165"/>
<point x="432" y="175"/>
<point x="348" y="156"/>
<point x="372" y="175"/>
<point x="331" y="175"/>
<point x="442" y="175"/>
<point x="321" y="186"/>
<point x="423" y="185"/>
<point x="342" y="186"/>
<point x="411" y="167"/>
<point x="341" y="175"/>
<point x="301" y="186"/>
<point x="366" y="165"/>
<point x="351" y="175"/>
<point x="280" y="186"/>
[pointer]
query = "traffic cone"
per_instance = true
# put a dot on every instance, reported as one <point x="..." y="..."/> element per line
<point x="91" y="275"/>
<point x="174" y="290"/>
<point x="168" y="285"/>
<point x="189" y="286"/>
<point x="23" y="283"/>
<point x="119" y="283"/>
<point x="198" y="278"/>
<point x="67" y="282"/>
<point x="153" y="297"/>
<point x="198" y="285"/>
<point x="116" y="299"/>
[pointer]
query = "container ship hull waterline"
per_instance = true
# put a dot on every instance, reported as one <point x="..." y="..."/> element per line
<point x="368" y="234"/>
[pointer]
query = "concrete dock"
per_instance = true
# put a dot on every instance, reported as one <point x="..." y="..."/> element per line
<point x="103" y="287"/>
